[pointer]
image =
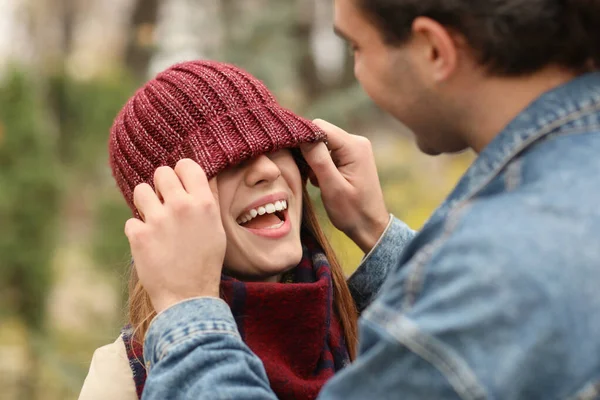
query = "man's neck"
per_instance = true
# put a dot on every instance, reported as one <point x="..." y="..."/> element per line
<point x="497" y="101"/>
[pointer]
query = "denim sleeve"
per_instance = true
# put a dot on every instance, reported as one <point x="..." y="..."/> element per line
<point x="480" y="313"/>
<point x="193" y="350"/>
<point x="366" y="281"/>
<point x="421" y="335"/>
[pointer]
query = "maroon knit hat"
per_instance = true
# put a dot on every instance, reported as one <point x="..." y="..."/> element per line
<point x="211" y="112"/>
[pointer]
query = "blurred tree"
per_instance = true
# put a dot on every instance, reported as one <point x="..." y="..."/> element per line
<point x="92" y="199"/>
<point x="311" y="83"/>
<point x="228" y="14"/>
<point x="29" y="203"/>
<point x="301" y="29"/>
<point x="110" y="247"/>
<point x="140" y="43"/>
<point x="85" y="111"/>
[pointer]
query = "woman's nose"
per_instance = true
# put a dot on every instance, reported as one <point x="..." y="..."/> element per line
<point x="262" y="170"/>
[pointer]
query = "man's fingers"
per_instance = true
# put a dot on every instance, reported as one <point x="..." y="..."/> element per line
<point x="318" y="158"/>
<point x="167" y="184"/>
<point x="192" y="176"/>
<point x="337" y="138"/>
<point x="145" y="200"/>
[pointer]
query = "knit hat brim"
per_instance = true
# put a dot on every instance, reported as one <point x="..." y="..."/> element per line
<point x="213" y="113"/>
<point x="247" y="133"/>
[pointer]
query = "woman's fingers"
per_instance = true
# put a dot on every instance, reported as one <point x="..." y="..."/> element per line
<point x="191" y="176"/>
<point x="176" y="256"/>
<point x="167" y="184"/>
<point x="146" y="200"/>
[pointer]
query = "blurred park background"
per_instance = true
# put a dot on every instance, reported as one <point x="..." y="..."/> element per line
<point x="66" y="68"/>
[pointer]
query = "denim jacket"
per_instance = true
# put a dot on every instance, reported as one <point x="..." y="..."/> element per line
<point x="497" y="297"/>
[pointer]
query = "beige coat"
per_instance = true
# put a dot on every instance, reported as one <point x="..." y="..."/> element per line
<point x="110" y="376"/>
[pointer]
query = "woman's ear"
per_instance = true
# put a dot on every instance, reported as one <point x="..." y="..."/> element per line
<point x="313" y="178"/>
<point x="302" y="165"/>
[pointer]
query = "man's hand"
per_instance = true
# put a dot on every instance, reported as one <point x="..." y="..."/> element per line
<point x="178" y="248"/>
<point x="345" y="171"/>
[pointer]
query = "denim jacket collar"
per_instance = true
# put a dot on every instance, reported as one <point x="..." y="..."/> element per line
<point x="543" y="116"/>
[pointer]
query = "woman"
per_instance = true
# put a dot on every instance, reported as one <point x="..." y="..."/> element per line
<point x="281" y="279"/>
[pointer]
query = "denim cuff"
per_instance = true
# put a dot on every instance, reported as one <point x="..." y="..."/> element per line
<point x="368" y="278"/>
<point x="183" y="322"/>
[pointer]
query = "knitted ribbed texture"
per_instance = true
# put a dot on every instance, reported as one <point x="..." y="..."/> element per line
<point x="211" y="112"/>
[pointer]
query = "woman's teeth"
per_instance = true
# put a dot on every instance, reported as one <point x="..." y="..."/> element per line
<point x="276" y="226"/>
<point x="269" y="208"/>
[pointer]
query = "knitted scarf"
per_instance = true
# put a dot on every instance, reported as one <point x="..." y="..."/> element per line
<point x="291" y="326"/>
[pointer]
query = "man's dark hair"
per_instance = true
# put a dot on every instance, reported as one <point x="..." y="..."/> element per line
<point x="510" y="37"/>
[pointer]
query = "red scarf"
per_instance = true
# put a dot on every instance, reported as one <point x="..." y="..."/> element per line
<point x="291" y="327"/>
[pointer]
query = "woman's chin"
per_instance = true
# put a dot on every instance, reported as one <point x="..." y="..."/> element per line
<point x="268" y="266"/>
<point x="278" y="266"/>
<point x="259" y="276"/>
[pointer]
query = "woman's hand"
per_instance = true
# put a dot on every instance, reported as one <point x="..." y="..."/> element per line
<point x="346" y="173"/>
<point x="179" y="246"/>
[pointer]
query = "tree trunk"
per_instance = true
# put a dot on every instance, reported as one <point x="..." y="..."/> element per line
<point x="140" y="41"/>
<point x="228" y="14"/>
<point x="308" y="75"/>
<point x="29" y="382"/>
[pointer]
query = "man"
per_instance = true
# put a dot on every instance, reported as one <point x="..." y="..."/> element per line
<point x="496" y="297"/>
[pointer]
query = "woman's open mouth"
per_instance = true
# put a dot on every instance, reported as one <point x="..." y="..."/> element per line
<point x="268" y="220"/>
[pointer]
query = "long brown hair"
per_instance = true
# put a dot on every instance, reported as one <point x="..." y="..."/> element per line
<point x="141" y="311"/>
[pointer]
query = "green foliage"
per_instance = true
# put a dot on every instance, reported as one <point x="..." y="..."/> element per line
<point x="85" y="112"/>
<point x="263" y="43"/>
<point x="109" y="244"/>
<point x="29" y="201"/>
<point x="341" y="106"/>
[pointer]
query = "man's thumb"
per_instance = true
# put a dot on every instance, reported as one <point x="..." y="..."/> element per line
<point x="318" y="158"/>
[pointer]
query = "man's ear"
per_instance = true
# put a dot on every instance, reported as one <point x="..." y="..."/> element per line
<point x="437" y="49"/>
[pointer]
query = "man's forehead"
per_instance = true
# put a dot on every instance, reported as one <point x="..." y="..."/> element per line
<point x="350" y="22"/>
<point x="341" y="8"/>
<point x="345" y="17"/>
